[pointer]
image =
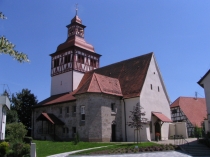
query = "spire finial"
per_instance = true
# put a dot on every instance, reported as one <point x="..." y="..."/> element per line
<point x="76" y="8"/>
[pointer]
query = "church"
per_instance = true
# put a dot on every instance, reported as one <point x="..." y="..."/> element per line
<point x="94" y="101"/>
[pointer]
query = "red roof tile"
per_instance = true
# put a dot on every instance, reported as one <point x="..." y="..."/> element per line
<point x="162" y="117"/>
<point x="51" y="118"/>
<point x="101" y="84"/>
<point x="194" y="109"/>
<point x="54" y="99"/>
<point x="131" y="74"/>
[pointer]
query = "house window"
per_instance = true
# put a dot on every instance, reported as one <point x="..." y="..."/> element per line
<point x="174" y="111"/>
<point x="56" y="62"/>
<point x="80" y="59"/>
<point x="151" y="86"/>
<point x="67" y="109"/>
<point x="60" y="110"/>
<point x="113" y="107"/>
<point x="83" y="113"/>
<point x="67" y="59"/>
<point x="150" y="126"/>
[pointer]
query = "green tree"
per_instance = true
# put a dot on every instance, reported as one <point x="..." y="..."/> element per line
<point x="137" y="119"/>
<point x="22" y="103"/>
<point x="6" y="47"/>
<point x="15" y="132"/>
<point x="12" y="116"/>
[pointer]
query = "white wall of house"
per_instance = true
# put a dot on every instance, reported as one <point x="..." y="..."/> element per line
<point x="178" y="128"/>
<point x="4" y="105"/>
<point x="77" y="77"/>
<point x="206" y="84"/>
<point x="154" y="98"/>
<point x="61" y="83"/>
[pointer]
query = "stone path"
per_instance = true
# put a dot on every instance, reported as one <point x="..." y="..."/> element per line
<point x="153" y="154"/>
<point x="148" y="154"/>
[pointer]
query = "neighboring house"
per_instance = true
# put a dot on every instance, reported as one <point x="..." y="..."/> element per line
<point x="4" y="106"/>
<point x="205" y="83"/>
<point x="96" y="102"/>
<point x="190" y="110"/>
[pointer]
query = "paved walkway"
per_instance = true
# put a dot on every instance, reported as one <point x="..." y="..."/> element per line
<point x="150" y="154"/>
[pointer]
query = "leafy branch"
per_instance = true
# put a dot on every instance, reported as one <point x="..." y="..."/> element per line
<point x="7" y="47"/>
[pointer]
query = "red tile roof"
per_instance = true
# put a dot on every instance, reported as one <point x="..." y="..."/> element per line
<point x="55" y="99"/>
<point x="101" y="84"/>
<point x="194" y="109"/>
<point x="51" y="118"/>
<point x="162" y="117"/>
<point x="131" y="74"/>
<point x="125" y="78"/>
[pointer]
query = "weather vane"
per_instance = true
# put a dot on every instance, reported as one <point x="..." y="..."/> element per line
<point x="76" y="8"/>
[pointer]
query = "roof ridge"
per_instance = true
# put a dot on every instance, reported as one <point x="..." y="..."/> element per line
<point x="97" y="81"/>
<point x="151" y="53"/>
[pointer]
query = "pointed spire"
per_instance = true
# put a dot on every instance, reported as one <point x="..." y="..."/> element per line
<point x="76" y="8"/>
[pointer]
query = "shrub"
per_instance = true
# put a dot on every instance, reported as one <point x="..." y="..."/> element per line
<point x="15" y="132"/>
<point x="20" y="149"/>
<point x="197" y="132"/>
<point x="4" y="148"/>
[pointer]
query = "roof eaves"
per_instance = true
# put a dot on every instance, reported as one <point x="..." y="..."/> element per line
<point x="202" y="78"/>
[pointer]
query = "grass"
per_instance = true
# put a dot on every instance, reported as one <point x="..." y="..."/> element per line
<point x="45" y="148"/>
<point x="117" y="147"/>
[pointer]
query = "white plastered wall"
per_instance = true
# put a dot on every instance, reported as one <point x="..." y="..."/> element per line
<point x="206" y="83"/>
<point x="153" y="100"/>
<point x="61" y="83"/>
<point x="77" y="77"/>
<point x="178" y="128"/>
<point x="129" y="105"/>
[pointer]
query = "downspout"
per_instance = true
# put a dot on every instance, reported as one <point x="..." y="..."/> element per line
<point x="125" y="120"/>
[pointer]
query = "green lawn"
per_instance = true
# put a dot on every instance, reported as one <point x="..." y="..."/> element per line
<point x="45" y="148"/>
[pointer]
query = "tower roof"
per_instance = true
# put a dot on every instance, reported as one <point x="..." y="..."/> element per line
<point x="75" y="37"/>
<point x="76" y="19"/>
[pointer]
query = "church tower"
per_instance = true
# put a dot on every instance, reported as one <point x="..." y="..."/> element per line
<point x="72" y="59"/>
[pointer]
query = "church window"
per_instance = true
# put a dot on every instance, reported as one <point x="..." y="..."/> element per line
<point x="56" y="62"/>
<point x="67" y="109"/>
<point x="93" y="63"/>
<point x="150" y="126"/>
<point x="83" y="113"/>
<point x="151" y="86"/>
<point x="158" y="89"/>
<point x="60" y="110"/>
<point x="67" y="59"/>
<point x="113" y="107"/>
<point x="80" y="59"/>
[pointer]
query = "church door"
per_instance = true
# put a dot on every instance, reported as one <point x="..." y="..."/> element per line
<point x="113" y="132"/>
<point x="158" y="129"/>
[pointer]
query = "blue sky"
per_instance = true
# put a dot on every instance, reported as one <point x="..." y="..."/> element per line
<point x="178" y="32"/>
